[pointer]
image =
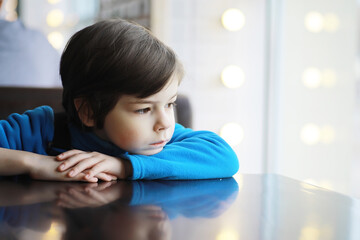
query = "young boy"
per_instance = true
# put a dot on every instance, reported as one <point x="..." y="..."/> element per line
<point x="120" y="86"/>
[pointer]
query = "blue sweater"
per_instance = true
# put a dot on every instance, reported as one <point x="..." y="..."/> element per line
<point x="189" y="154"/>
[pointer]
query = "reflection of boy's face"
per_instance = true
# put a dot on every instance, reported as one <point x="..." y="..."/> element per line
<point x="142" y="125"/>
<point x="141" y="223"/>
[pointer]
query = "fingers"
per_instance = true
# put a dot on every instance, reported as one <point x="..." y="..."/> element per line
<point x="73" y="160"/>
<point x="67" y="154"/>
<point x="98" y="168"/>
<point x="104" y="176"/>
<point x="83" y="165"/>
<point x="79" y="162"/>
<point x="81" y="177"/>
<point x="92" y="165"/>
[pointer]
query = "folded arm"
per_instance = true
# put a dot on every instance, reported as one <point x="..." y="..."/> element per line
<point x="23" y="143"/>
<point x="189" y="155"/>
<point x="41" y="167"/>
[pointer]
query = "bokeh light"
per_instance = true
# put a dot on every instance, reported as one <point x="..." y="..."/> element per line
<point x="55" y="18"/>
<point x="310" y="134"/>
<point x="56" y="39"/>
<point x="232" y="133"/>
<point x="233" y="19"/>
<point x="228" y="234"/>
<point x="53" y="1"/>
<point x="312" y="78"/>
<point x="314" y="22"/>
<point x="232" y="76"/>
<point x="310" y="233"/>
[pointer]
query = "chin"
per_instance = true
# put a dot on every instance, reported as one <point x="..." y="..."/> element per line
<point x="150" y="152"/>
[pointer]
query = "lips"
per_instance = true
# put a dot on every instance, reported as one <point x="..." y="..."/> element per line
<point x="159" y="144"/>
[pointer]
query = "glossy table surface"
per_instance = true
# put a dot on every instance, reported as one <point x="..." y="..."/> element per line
<point x="251" y="207"/>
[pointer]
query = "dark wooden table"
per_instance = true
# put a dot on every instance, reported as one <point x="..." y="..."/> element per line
<point x="253" y="207"/>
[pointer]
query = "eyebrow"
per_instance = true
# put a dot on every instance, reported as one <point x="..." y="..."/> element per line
<point x="140" y="101"/>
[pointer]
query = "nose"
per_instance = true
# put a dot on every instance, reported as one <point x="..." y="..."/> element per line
<point x="163" y="121"/>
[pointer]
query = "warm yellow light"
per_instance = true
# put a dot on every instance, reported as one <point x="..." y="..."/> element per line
<point x="55" y="18"/>
<point x="327" y="185"/>
<point x="309" y="184"/>
<point x="327" y="134"/>
<point x="232" y="76"/>
<point x="328" y="78"/>
<point x="55" y="231"/>
<point x="232" y="133"/>
<point x="331" y="22"/>
<point x="314" y="22"/>
<point x="56" y="39"/>
<point x="53" y="1"/>
<point x="310" y="233"/>
<point x="228" y="234"/>
<point x="312" y="78"/>
<point x="310" y="134"/>
<point x="233" y="19"/>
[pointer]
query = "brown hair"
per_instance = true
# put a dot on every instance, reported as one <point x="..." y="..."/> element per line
<point x="111" y="58"/>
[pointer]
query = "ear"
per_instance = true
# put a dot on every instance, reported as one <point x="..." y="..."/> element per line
<point x="84" y="111"/>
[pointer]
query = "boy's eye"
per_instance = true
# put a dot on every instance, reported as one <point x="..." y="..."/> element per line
<point x="171" y="105"/>
<point x="143" y="110"/>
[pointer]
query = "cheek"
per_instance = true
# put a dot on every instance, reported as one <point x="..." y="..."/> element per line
<point x="130" y="136"/>
<point x="124" y="133"/>
<point x="126" y="139"/>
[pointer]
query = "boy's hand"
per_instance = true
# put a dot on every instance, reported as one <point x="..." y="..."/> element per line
<point x="92" y="164"/>
<point x="43" y="167"/>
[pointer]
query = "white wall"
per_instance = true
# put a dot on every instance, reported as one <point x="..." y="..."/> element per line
<point x="327" y="158"/>
<point x="194" y="30"/>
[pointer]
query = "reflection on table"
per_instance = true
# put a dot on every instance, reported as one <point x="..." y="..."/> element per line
<point x="268" y="207"/>
<point x="108" y="210"/>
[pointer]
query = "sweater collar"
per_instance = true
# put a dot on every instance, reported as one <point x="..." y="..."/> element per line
<point x="88" y="141"/>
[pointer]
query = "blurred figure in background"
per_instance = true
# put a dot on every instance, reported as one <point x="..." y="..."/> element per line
<point x="26" y="56"/>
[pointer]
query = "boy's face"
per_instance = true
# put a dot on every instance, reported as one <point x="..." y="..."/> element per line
<point x="142" y="125"/>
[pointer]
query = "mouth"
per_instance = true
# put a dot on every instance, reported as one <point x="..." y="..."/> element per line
<point x="159" y="144"/>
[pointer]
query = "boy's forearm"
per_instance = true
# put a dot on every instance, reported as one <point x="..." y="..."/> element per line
<point x="14" y="162"/>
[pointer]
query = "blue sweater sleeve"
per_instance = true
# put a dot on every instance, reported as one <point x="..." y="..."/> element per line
<point x="31" y="131"/>
<point x="189" y="155"/>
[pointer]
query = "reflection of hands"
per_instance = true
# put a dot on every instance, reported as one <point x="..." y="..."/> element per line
<point x="18" y="193"/>
<point x="90" y="195"/>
